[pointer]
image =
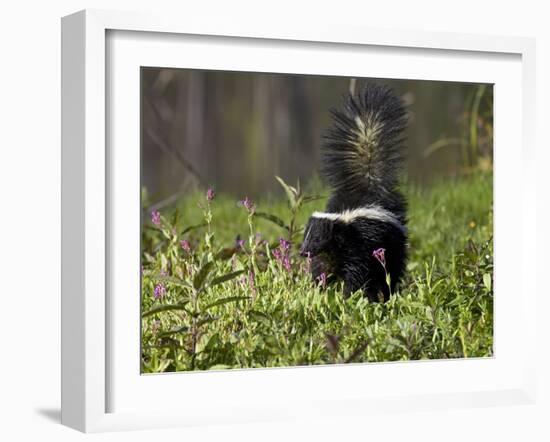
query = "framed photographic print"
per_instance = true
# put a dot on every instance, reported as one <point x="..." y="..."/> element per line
<point x="271" y="223"/>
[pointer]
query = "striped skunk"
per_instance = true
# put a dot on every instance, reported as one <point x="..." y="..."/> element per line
<point x="362" y="234"/>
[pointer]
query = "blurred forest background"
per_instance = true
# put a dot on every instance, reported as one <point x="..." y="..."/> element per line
<point x="234" y="131"/>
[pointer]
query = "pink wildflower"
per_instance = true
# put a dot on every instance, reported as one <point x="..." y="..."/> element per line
<point x="248" y="204"/>
<point x="284" y="244"/>
<point x="155" y="217"/>
<point x="210" y="194"/>
<point x="286" y="263"/>
<point x="380" y="256"/>
<point x="159" y="291"/>
<point x="282" y="254"/>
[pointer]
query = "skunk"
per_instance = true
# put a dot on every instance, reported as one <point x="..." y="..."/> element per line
<point x="361" y="237"/>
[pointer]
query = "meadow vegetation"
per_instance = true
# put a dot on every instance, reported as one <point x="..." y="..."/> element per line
<point x="223" y="285"/>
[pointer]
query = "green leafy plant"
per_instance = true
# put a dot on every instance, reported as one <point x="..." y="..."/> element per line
<point x="296" y="201"/>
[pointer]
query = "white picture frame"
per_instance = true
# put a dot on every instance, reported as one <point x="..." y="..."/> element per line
<point x="88" y="230"/>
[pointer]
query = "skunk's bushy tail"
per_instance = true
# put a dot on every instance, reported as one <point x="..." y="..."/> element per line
<point x="363" y="150"/>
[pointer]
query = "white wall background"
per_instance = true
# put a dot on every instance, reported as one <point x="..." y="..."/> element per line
<point x="30" y="219"/>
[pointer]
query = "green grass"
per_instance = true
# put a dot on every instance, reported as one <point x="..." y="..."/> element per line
<point x="221" y="306"/>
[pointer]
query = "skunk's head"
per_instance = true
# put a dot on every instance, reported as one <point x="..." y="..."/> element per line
<point x="317" y="237"/>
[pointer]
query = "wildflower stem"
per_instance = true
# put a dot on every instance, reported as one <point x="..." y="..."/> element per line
<point x="252" y="241"/>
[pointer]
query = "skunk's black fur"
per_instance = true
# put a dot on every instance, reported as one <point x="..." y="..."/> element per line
<point x="361" y="160"/>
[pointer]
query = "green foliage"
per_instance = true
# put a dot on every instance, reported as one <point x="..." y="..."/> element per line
<point x="223" y="303"/>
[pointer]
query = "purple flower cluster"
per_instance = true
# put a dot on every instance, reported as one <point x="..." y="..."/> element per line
<point x="210" y="195"/>
<point x="185" y="245"/>
<point x="248" y="204"/>
<point x="282" y="254"/>
<point x="284" y="244"/>
<point x="155" y="217"/>
<point x="380" y="255"/>
<point x="159" y="291"/>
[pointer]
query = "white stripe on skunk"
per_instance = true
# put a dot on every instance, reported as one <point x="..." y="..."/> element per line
<point x="371" y="212"/>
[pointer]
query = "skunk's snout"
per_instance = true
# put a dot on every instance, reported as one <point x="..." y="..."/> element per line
<point x="304" y="253"/>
